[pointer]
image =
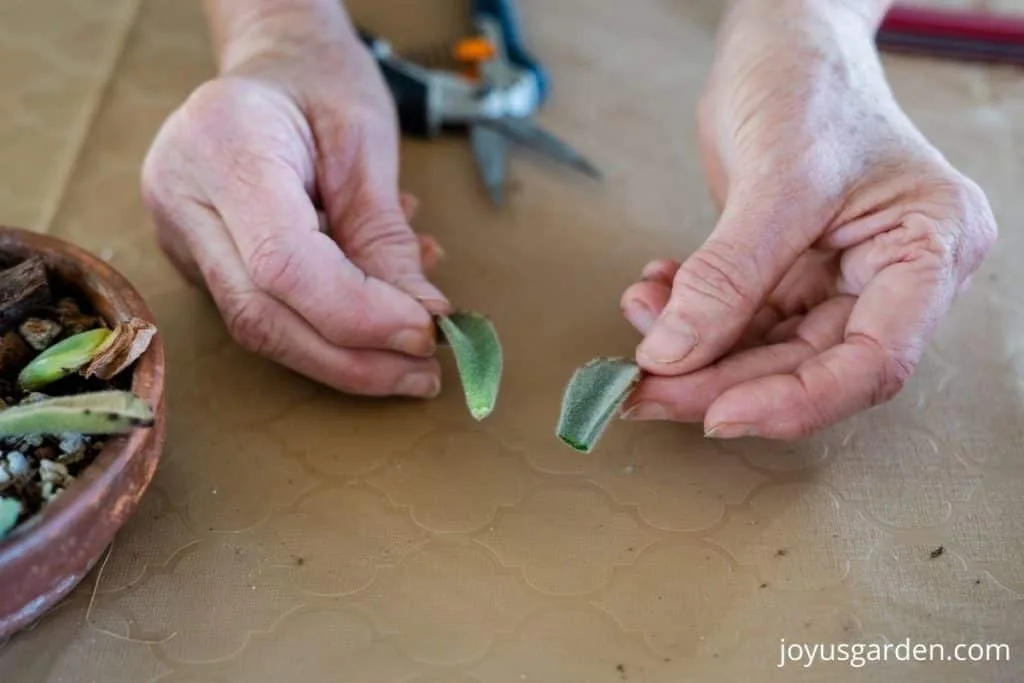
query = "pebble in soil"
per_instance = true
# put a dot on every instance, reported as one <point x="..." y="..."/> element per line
<point x="37" y="469"/>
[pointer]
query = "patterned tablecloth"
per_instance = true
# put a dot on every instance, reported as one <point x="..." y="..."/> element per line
<point x="296" y="535"/>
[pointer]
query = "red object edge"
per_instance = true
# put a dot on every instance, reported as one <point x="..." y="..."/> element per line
<point x="950" y="23"/>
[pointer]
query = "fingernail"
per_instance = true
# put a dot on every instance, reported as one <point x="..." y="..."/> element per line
<point x="431" y="301"/>
<point x="425" y="293"/>
<point x="647" y="412"/>
<point x="669" y="342"/>
<point x="431" y="253"/>
<point x="435" y="306"/>
<point x="432" y="247"/>
<point x="412" y="342"/>
<point x="422" y="384"/>
<point x="731" y="430"/>
<point x="652" y="271"/>
<point x="639" y="315"/>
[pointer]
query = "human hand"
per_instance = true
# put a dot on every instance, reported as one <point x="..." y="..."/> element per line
<point x="844" y="236"/>
<point x="299" y="119"/>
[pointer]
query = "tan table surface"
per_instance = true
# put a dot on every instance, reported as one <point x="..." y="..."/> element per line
<point x="296" y="535"/>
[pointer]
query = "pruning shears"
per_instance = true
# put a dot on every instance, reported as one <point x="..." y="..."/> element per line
<point x="494" y="96"/>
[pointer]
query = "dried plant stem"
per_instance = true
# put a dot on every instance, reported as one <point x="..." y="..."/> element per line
<point x="92" y="602"/>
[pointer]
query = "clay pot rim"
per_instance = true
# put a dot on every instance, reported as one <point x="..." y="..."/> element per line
<point x="108" y="291"/>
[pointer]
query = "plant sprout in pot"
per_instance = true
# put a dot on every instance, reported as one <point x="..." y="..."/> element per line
<point x="81" y="429"/>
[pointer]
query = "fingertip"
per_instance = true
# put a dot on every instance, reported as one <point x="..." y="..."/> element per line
<point x="419" y="384"/>
<point x="654" y="294"/>
<point x="642" y="303"/>
<point x="763" y="408"/>
<point x="668" y="344"/>
<point x="431" y="298"/>
<point x="423" y="292"/>
<point x="684" y="399"/>
<point x="416" y="341"/>
<point x="410" y="205"/>
<point x="638" y="313"/>
<point x="660" y="270"/>
<point x="431" y="253"/>
<point x="437" y="307"/>
<point x="743" y="403"/>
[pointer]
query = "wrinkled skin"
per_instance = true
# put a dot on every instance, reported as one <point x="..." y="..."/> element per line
<point x="843" y="239"/>
<point x="235" y="179"/>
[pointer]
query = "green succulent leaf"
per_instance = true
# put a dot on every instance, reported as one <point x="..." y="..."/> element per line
<point x="10" y="510"/>
<point x="593" y="397"/>
<point x="99" y="412"/>
<point x="478" y="356"/>
<point x="62" y="359"/>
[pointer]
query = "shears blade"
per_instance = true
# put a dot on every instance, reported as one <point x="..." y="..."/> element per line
<point x="525" y="132"/>
<point x="490" y="148"/>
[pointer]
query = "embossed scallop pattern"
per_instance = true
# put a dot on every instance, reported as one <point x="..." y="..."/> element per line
<point x="677" y="479"/>
<point x="321" y="646"/>
<point x="295" y="534"/>
<point x="567" y="540"/>
<point x="453" y="480"/>
<point x="217" y="572"/>
<point x="446" y="602"/>
<point x="335" y="541"/>
<point x="340" y="451"/>
<point x="229" y="490"/>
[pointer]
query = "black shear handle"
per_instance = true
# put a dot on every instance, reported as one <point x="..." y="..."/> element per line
<point x="410" y="91"/>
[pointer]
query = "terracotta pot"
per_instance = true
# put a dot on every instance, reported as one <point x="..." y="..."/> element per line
<point x="41" y="562"/>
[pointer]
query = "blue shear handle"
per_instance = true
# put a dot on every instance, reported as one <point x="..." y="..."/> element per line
<point x="504" y="13"/>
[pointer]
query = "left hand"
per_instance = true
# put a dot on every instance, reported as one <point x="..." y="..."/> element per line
<point x="843" y="239"/>
<point x="299" y="121"/>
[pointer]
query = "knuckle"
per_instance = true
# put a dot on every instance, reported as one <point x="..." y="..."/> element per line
<point x="238" y="129"/>
<point x="376" y="234"/>
<point x="803" y="429"/>
<point x="980" y="226"/>
<point x="200" y="133"/>
<point x="154" y="180"/>
<point x="926" y="241"/>
<point x="706" y="112"/>
<point x="366" y="120"/>
<point x="358" y="326"/>
<point x="250" y="325"/>
<point x="721" y="273"/>
<point x="210" y="106"/>
<point x="892" y="378"/>
<point x="360" y="378"/>
<point x="363" y="128"/>
<point x="940" y="245"/>
<point x="161" y="175"/>
<point x="206" y="116"/>
<point x="383" y="230"/>
<point x="273" y="265"/>
<point x="962" y="237"/>
<point x="894" y="369"/>
<point x="817" y="414"/>
<point x="168" y="239"/>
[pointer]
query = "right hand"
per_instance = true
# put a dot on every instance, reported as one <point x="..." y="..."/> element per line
<point x="299" y="119"/>
<point x="844" y="235"/>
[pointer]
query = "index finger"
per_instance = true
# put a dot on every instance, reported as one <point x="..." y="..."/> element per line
<point x="274" y="225"/>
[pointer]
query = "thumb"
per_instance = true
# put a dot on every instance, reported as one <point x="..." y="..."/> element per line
<point x="377" y="237"/>
<point x="431" y="252"/>
<point x="719" y="288"/>
<point x="369" y="216"/>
